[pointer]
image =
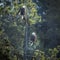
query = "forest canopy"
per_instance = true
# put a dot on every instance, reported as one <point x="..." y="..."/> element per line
<point x="41" y="17"/>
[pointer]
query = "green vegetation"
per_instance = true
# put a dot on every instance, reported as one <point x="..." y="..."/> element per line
<point x="43" y="18"/>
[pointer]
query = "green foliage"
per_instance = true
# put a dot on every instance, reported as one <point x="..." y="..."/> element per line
<point x="12" y="31"/>
<point x="4" y="50"/>
<point x="52" y="53"/>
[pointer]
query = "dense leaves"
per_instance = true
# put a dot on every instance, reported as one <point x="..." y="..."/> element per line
<point x="43" y="18"/>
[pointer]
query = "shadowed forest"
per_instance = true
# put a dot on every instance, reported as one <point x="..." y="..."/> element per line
<point x="29" y="29"/>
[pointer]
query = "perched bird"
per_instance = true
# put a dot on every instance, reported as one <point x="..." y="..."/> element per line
<point x="23" y="12"/>
<point x="33" y="37"/>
